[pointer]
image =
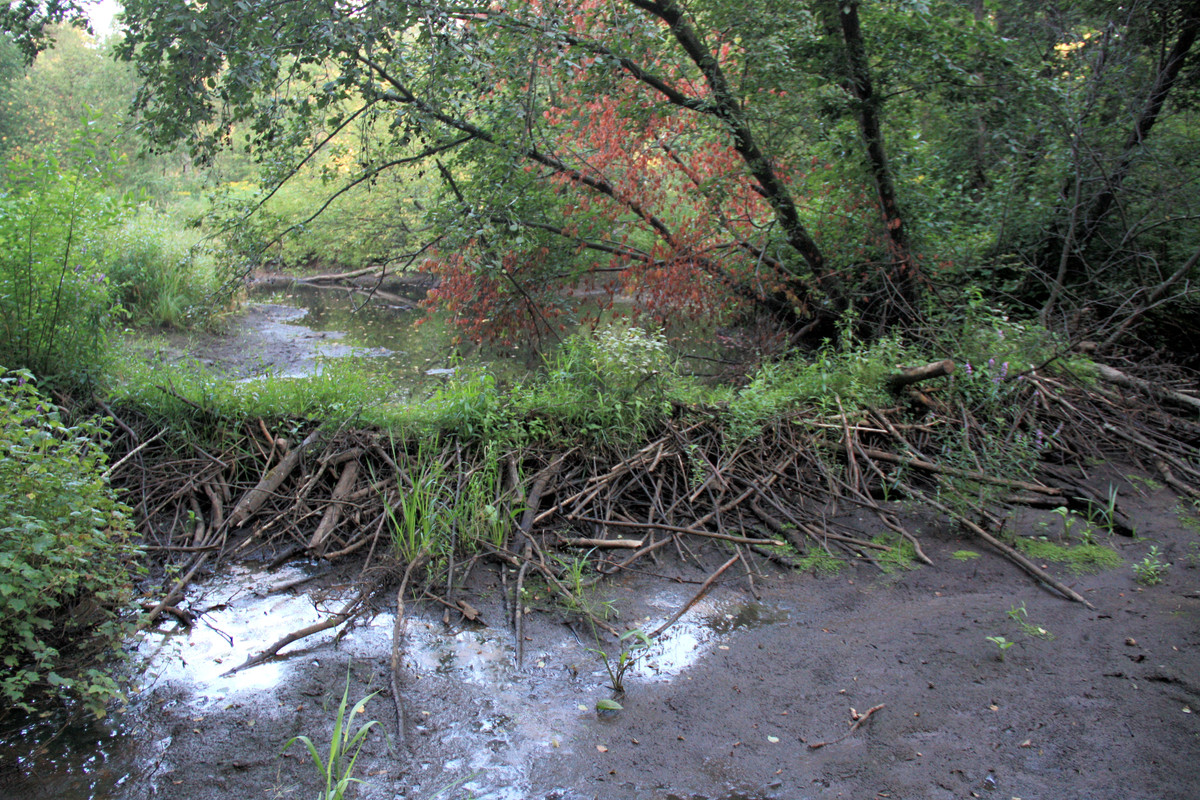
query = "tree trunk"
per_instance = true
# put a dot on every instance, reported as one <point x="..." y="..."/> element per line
<point x="1164" y="82"/>
<point x="902" y="274"/>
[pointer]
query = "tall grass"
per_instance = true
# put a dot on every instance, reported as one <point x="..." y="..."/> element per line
<point x="55" y="300"/>
<point x="163" y="272"/>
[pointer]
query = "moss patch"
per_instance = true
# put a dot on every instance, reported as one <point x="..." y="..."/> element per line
<point x="1079" y="559"/>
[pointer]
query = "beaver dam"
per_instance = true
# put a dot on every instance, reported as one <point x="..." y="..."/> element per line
<point x="946" y="588"/>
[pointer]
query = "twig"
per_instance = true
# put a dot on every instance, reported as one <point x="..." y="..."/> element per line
<point x="677" y="529"/>
<point x="397" y="640"/>
<point x="703" y="590"/>
<point x="349" y="611"/>
<point x="861" y="719"/>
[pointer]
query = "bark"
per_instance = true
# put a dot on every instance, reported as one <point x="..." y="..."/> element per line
<point x="902" y="274"/>
<point x="727" y="107"/>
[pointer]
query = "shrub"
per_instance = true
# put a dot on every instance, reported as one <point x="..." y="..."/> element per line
<point x="613" y="385"/>
<point x="54" y="299"/>
<point x="65" y="547"/>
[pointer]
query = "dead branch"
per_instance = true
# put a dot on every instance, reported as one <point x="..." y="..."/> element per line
<point x="333" y="511"/>
<point x="1119" y="378"/>
<point x="859" y="719"/>
<point x="349" y="611"/>
<point x="703" y="590"/>
<point x="270" y="483"/>
<point x="979" y="477"/>
<point x="632" y="544"/>
<point x="397" y="648"/>
<point x="911" y="375"/>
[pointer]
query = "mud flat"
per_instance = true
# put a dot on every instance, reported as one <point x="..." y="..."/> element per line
<point x="728" y="704"/>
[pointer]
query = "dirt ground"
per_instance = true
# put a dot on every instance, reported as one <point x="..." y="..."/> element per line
<point x="1104" y="709"/>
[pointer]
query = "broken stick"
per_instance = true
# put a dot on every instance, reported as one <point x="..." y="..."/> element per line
<point x="859" y="720"/>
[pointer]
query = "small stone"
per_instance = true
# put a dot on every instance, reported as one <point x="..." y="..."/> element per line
<point x="1131" y="642"/>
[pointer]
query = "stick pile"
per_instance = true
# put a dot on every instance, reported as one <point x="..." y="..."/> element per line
<point x="778" y="497"/>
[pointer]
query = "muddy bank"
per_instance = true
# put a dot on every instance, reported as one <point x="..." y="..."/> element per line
<point x="726" y="707"/>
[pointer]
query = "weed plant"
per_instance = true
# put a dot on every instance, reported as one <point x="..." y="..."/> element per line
<point x="343" y="389"/>
<point x="421" y="523"/>
<point x="162" y="273"/>
<point x="849" y="374"/>
<point x="613" y="386"/>
<point x="56" y="303"/>
<point x="1151" y="570"/>
<point x="336" y="767"/>
<point x="634" y="644"/>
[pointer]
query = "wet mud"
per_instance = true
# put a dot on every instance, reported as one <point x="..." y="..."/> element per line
<point x="726" y="705"/>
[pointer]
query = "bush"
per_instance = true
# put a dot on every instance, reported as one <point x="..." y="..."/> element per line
<point x="55" y="301"/>
<point x="65" y="550"/>
<point x="614" y="384"/>
<point x="161" y="273"/>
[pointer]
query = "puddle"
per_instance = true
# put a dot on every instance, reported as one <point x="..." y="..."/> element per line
<point x="704" y="627"/>
<point x="240" y="617"/>
<point x="488" y="723"/>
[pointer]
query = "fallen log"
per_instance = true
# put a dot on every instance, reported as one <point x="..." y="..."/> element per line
<point x="911" y="375"/>
<point x="1119" y="378"/>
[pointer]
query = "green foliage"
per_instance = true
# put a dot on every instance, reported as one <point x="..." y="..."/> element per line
<point x="1020" y="615"/>
<point x="1002" y="644"/>
<point x="852" y="373"/>
<point x="820" y="562"/>
<point x="1152" y="569"/>
<point x="470" y="403"/>
<point x="479" y="512"/>
<point x="421" y="522"/>
<point x="161" y="271"/>
<point x="902" y="555"/>
<point x="27" y="24"/>
<point x="613" y="386"/>
<point x="634" y="644"/>
<point x="65" y="553"/>
<point x="964" y="555"/>
<point x="1079" y="559"/>
<point x="336" y="767"/>
<point x="343" y="389"/>
<point x="55" y="300"/>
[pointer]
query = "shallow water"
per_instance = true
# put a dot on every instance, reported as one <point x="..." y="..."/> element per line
<point x="503" y="720"/>
<point x="400" y="339"/>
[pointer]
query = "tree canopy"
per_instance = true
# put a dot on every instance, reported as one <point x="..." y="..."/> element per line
<point x="801" y="157"/>
<point x="29" y="23"/>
